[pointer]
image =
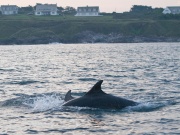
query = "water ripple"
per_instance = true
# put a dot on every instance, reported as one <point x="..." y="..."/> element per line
<point x="35" y="79"/>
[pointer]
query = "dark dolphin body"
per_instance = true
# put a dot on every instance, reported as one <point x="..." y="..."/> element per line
<point x="68" y="96"/>
<point x="96" y="98"/>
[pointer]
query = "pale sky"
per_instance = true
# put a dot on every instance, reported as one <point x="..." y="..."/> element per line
<point x="104" y="5"/>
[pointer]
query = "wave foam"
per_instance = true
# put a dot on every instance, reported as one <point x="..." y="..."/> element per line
<point x="44" y="103"/>
<point x="148" y="106"/>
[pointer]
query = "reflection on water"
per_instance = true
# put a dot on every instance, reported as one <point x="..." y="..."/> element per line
<point x="35" y="79"/>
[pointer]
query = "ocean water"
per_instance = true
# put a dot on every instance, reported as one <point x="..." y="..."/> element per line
<point x="35" y="78"/>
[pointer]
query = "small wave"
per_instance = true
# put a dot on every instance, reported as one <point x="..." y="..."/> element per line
<point x="36" y="103"/>
<point x="45" y="103"/>
<point x="148" y="106"/>
<point x="142" y="107"/>
<point x="23" y="82"/>
<point x="87" y="79"/>
<point x="2" y="92"/>
<point x="6" y="69"/>
<point x="115" y="76"/>
<point x="67" y="82"/>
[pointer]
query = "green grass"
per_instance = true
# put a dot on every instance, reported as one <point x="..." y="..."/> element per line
<point x="24" y="26"/>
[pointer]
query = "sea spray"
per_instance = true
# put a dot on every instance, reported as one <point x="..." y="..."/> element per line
<point x="44" y="103"/>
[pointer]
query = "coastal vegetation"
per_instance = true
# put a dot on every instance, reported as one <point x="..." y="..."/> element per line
<point x="134" y="26"/>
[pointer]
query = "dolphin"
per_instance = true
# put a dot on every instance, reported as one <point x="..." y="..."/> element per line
<point x="68" y="96"/>
<point x="96" y="98"/>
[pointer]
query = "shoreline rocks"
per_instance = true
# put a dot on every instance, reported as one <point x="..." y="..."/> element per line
<point x="88" y="37"/>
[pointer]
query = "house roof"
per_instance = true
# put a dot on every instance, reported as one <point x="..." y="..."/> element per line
<point x="88" y="9"/>
<point x="9" y="7"/>
<point x="174" y="9"/>
<point x="46" y="7"/>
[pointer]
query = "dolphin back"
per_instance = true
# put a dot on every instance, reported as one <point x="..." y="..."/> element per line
<point x="68" y="96"/>
<point x="96" y="98"/>
<point x="96" y="89"/>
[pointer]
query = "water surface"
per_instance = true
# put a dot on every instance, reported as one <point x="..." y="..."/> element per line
<point x="35" y="78"/>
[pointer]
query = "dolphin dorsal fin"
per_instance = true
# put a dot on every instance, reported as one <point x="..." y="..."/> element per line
<point x="96" y="89"/>
<point x="68" y="96"/>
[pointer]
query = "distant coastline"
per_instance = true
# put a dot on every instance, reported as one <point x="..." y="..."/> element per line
<point x="88" y="37"/>
<point x="24" y="29"/>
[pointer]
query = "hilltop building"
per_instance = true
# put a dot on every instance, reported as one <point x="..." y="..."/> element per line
<point x="46" y="9"/>
<point x="172" y="10"/>
<point x="88" y="11"/>
<point x="9" y="9"/>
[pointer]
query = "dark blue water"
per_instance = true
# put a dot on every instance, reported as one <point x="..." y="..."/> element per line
<point x="34" y="80"/>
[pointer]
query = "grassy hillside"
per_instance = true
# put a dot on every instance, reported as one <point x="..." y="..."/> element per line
<point x="66" y="28"/>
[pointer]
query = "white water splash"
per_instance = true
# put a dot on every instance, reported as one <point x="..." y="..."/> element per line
<point x="45" y="103"/>
<point x="146" y="107"/>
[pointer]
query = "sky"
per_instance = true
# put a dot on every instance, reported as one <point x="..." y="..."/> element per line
<point x="108" y="6"/>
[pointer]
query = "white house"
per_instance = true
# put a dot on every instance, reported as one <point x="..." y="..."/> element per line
<point x="9" y="9"/>
<point x="172" y="10"/>
<point x="46" y="9"/>
<point x="88" y="11"/>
